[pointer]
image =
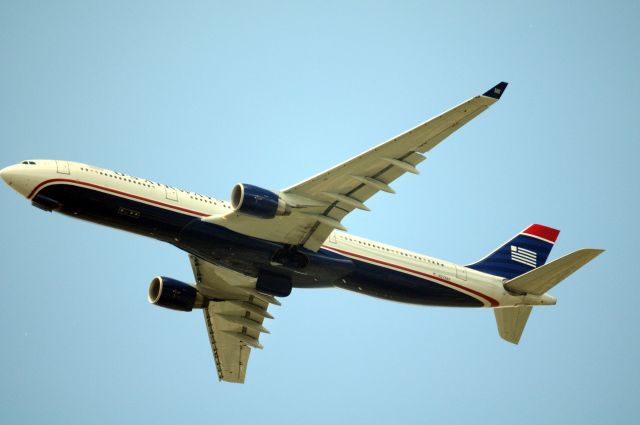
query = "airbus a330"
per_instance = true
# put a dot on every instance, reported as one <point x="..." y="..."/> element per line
<point x="249" y="252"/>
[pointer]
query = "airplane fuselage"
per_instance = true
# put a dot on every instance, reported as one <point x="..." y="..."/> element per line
<point x="175" y="216"/>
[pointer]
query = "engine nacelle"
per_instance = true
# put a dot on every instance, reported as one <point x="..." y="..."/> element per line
<point x="258" y="202"/>
<point x="170" y="293"/>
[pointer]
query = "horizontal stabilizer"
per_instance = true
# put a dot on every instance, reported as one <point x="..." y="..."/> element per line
<point x="540" y="280"/>
<point x="511" y="322"/>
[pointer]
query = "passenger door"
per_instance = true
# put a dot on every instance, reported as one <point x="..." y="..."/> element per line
<point x="62" y="167"/>
<point x="461" y="273"/>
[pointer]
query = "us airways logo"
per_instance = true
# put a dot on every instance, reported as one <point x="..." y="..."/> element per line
<point x="523" y="256"/>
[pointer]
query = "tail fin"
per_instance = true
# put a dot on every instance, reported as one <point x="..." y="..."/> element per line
<point x="526" y="251"/>
<point x="512" y="320"/>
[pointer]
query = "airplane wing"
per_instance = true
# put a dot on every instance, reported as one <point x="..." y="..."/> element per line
<point x="322" y="201"/>
<point x="233" y="317"/>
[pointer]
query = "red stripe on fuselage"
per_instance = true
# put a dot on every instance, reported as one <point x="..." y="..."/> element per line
<point x="118" y="192"/>
<point x="491" y="301"/>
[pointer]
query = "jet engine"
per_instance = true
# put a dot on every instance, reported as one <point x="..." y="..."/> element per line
<point x="258" y="202"/>
<point x="170" y="293"/>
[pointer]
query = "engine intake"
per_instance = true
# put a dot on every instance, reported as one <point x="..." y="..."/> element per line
<point x="258" y="202"/>
<point x="170" y="293"/>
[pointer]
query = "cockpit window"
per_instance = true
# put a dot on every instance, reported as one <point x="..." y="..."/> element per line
<point x="28" y="163"/>
<point x="32" y="163"/>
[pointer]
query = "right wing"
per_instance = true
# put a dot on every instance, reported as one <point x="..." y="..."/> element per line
<point x="322" y="201"/>
<point x="348" y="185"/>
<point x="233" y="317"/>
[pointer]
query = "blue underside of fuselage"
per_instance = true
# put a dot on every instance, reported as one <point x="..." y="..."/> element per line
<point x="247" y="254"/>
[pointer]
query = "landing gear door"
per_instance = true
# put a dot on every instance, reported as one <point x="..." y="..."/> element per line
<point x="461" y="273"/>
<point x="62" y="167"/>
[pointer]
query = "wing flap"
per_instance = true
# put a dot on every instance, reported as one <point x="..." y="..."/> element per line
<point x="231" y="357"/>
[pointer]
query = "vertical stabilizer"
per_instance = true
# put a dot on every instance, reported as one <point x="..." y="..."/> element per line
<point x="526" y="251"/>
<point x="512" y="320"/>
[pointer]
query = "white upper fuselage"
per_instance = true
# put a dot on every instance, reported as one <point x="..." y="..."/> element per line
<point x="29" y="177"/>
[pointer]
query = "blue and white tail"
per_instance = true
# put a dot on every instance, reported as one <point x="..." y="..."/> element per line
<point x="522" y="262"/>
<point x="526" y="251"/>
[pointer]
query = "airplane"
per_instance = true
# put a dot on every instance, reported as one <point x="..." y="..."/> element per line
<point x="247" y="253"/>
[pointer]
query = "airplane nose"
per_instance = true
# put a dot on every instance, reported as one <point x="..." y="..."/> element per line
<point x="16" y="177"/>
<point x="7" y="174"/>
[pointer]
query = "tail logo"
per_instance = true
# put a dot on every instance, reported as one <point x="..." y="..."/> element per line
<point x="524" y="256"/>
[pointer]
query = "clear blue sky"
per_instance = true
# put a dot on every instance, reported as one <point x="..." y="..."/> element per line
<point x="202" y="95"/>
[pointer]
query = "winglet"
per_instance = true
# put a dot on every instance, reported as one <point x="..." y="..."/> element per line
<point x="496" y="91"/>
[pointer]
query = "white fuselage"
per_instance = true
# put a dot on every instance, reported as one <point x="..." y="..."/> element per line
<point x="31" y="177"/>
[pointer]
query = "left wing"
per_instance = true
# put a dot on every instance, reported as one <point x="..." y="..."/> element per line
<point x="320" y="203"/>
<point x="233" y="317"/>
